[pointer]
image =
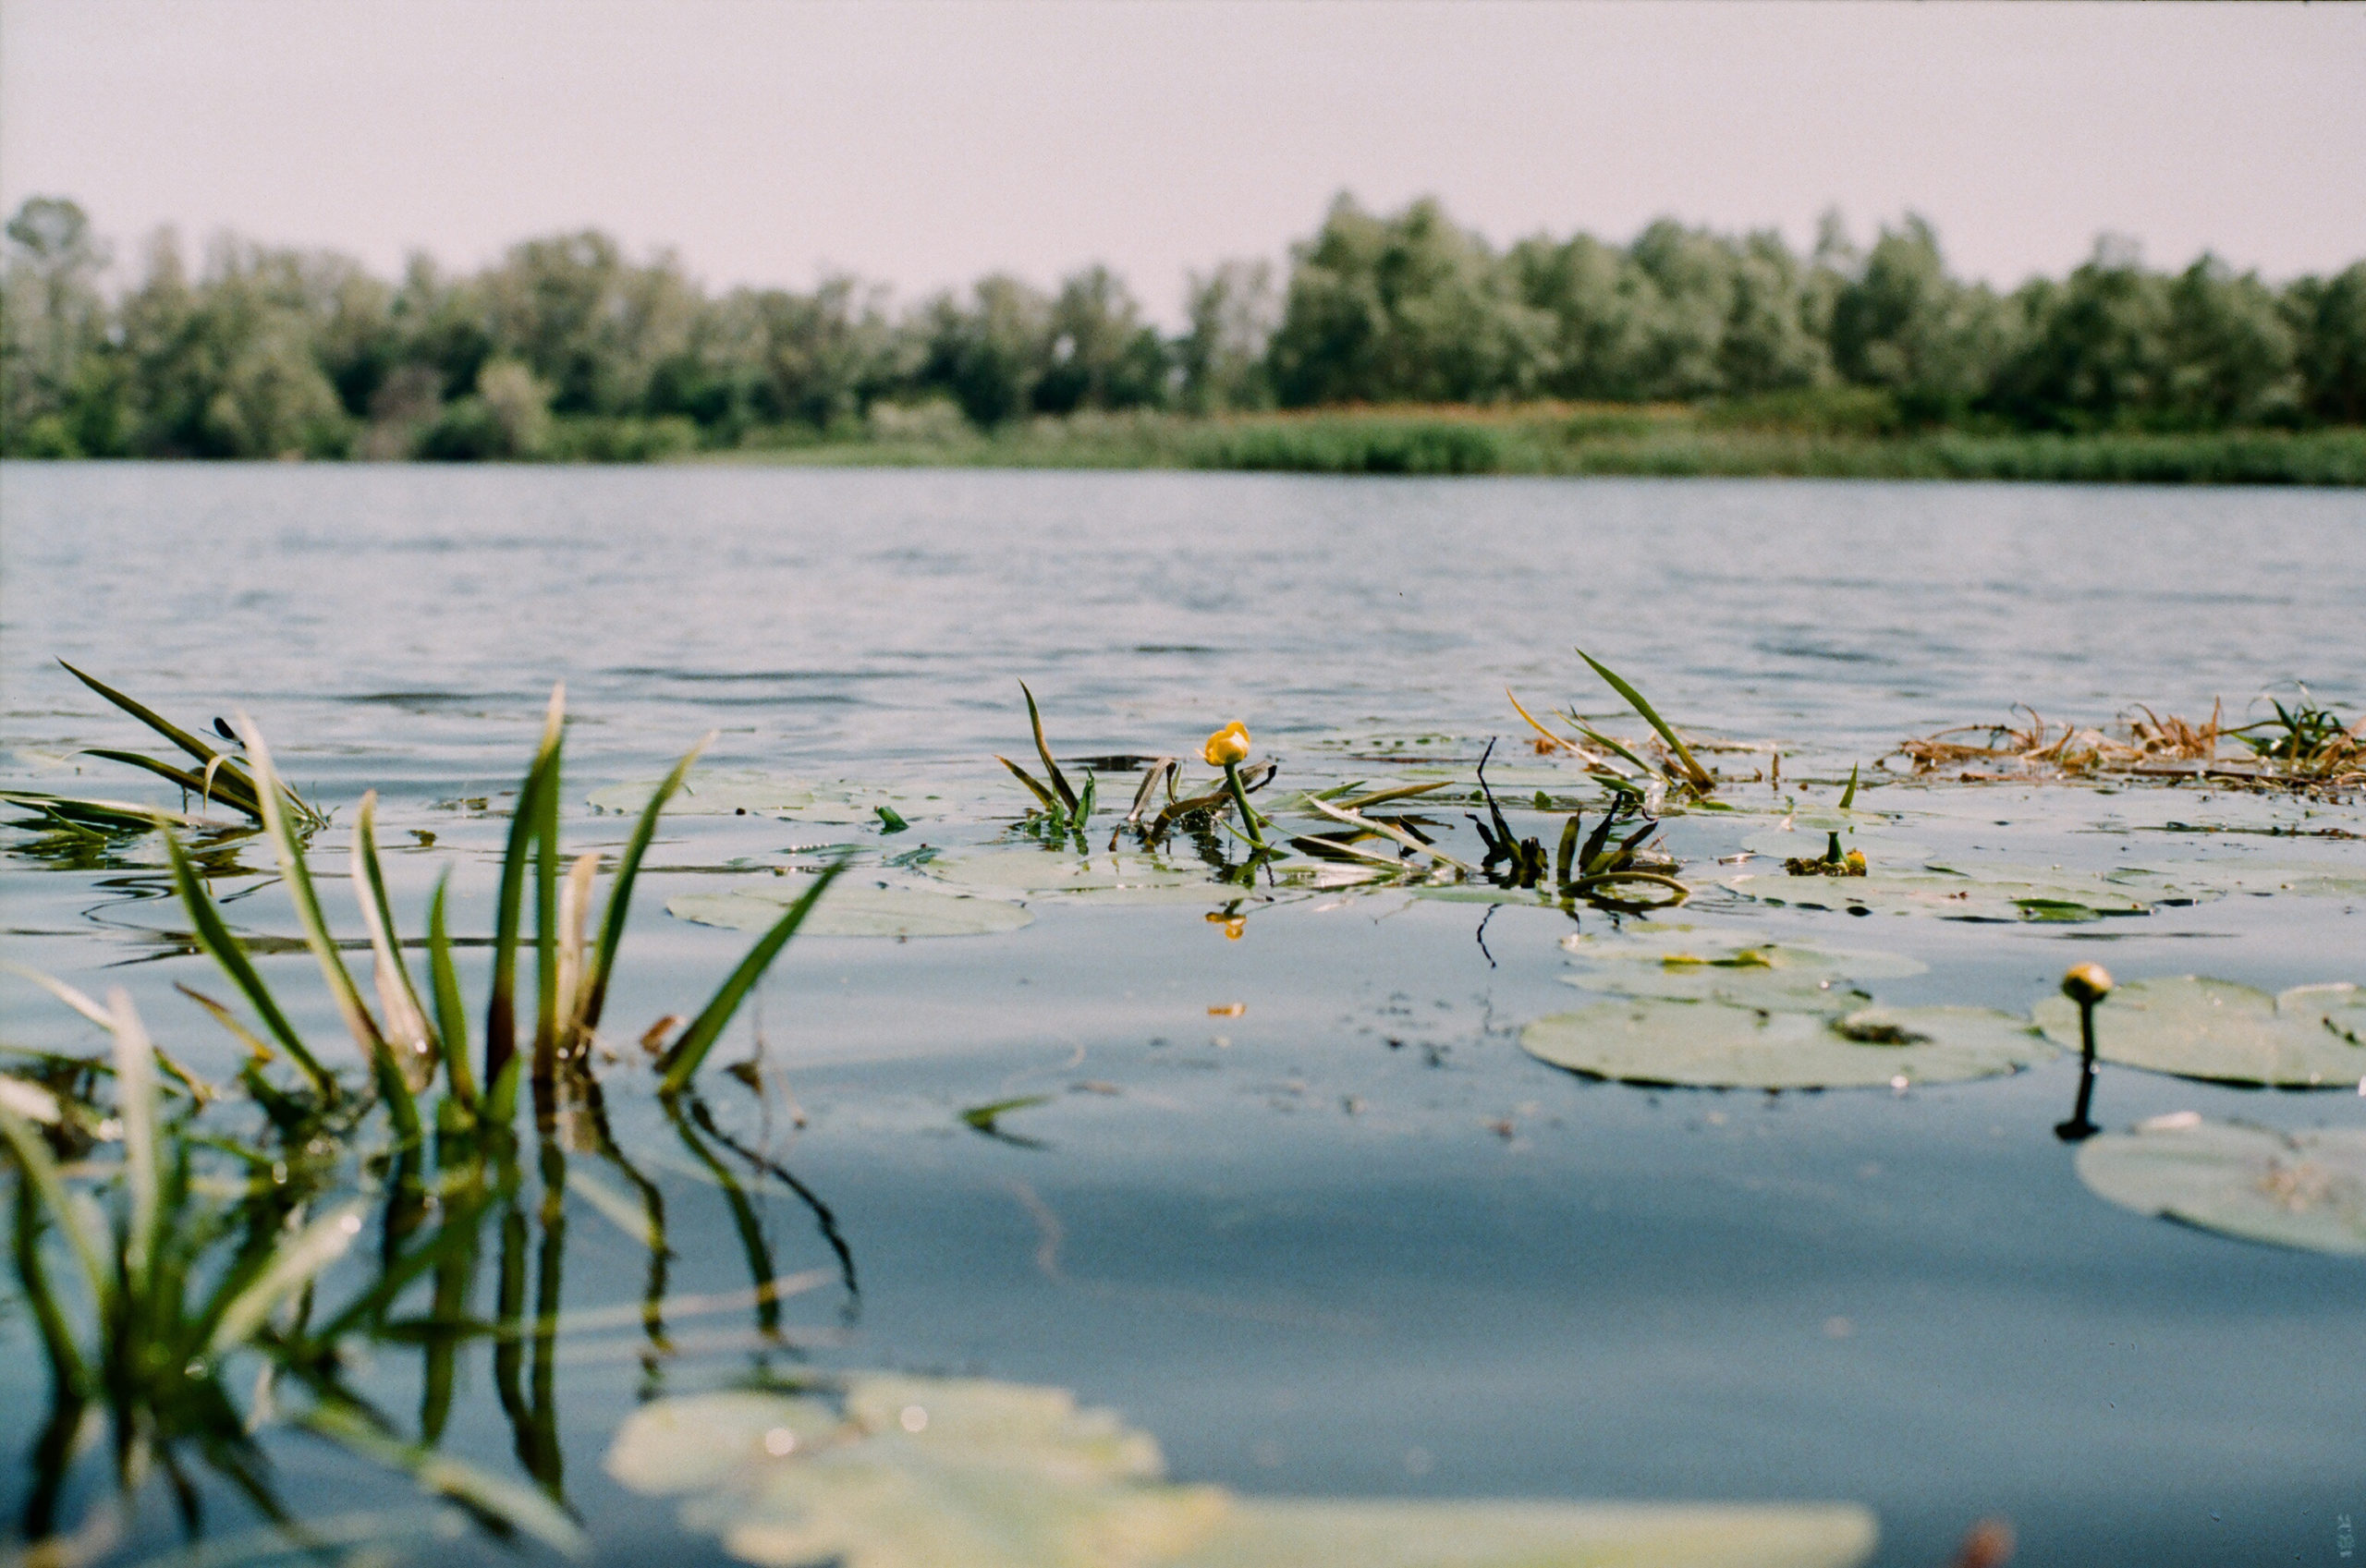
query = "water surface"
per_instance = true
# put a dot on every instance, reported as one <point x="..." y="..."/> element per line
<point x="1350" y="1240"/>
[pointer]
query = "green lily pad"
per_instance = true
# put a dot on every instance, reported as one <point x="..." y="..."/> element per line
<point x="2305" y="1189"/>
<point x="851" y="911"/>
<point x="917" y="1473"/>
<point x="1953" y="895"/>
<point x="1285" y="1533"/>
<point x="1103" y="878"/>
<point x="1768" y="990"/>
<point x="1674" y="945"/>
<point x="913" y="1472"/>
<point x="2212" y="876"/>
<point x="2225" y="1033"/>
<point x="712" y="795"/>
<point x="1714" y="1045"/>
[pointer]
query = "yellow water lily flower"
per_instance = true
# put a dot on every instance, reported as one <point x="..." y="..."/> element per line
<point x="2087" y="984"/>
<point x="1229" y="747"/>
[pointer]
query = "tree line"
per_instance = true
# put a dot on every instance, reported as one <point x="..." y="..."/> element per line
<point x="566" y="346"/>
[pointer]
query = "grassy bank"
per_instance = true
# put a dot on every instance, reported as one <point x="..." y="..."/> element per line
<point x="1572" y="439"/>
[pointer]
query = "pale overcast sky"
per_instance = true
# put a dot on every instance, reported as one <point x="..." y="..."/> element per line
<point x="926" y="143"/>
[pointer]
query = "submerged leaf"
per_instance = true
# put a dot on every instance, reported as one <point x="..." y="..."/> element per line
<point x="1714" y="1045"/>
<point x="852" y="911"/>
<point x="2303" y="1190"/>
<point x="2310" y="1038"/>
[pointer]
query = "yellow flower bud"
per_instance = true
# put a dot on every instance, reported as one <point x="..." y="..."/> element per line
<point x="2087" y="984"/>
<point x="1228" y="745"/>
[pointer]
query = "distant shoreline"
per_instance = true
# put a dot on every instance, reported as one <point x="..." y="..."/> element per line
<point x="1544" y="440"/>
<point x="1565" y="441"/>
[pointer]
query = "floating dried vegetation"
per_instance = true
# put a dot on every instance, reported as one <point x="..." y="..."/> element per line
<point x="2303" y="746"/>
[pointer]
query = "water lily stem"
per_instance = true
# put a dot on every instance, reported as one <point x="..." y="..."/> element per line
<point x="1248" y="817"/>
<point x="2078" y="1127"/>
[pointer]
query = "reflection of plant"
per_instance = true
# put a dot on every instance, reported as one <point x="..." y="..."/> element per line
<point x="219" y="1236"/>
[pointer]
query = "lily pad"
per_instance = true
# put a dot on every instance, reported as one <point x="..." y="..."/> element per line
<point x="851" y="911"/>
<point x="712" y="795"/>
<point x="2304" y="1189"/>
<point x="1284" y="1532"/>
<point x="1955" y="895"/>
<point x="913" y="1473"/>
<point x="1715" y="1045"/>
<point x="1677" y="946"/>
<point x="1768" y="990"/>
<point x="1112" y="878"/>
<point x="2217" y="1030"/>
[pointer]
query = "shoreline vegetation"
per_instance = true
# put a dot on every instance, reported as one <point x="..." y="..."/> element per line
<point x="1550" y="440"/>
<point x="1385" y="344"/>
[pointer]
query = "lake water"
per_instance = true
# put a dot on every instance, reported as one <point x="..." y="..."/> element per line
<point x="1349" y="1239"/>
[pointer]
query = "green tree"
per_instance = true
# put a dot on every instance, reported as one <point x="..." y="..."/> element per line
<point x="1100" y="354"/>
<point x="1404" y="309"/>
<point x="1233" y="312"/>
<point x="1905" y="325"/>
<point x="2329" y="317"/>
<point x="990" y="355"/>
<point x="2231" y="354"/>
<point x="56" y="394"/>
<point x="2097" y="350"/>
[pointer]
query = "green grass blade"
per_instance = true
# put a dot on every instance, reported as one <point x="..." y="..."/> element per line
<point x="682" y="1061"/>
<point x="148" y="717"/>
<point x="548" y="1025"/>
<point x="612" y="930"/>
<point x="317" y="936"/>
<point x="451" y="1011"/>
<point x="289" y="851"/>
<point x="135" y="1094"/>
<point x="215" y="938"/>
<point x="1043" y="750"/>
<point x="231" y="789"/>
<point x="1044" y="797"/>
<point x="90" y="1249"/>
<point x="1849" y="796"/>
<point x="1693" y="771"/>
<point x="501" y="1009"/>
<point x="1609" y="745"/>
<point x="411" y="1029"/>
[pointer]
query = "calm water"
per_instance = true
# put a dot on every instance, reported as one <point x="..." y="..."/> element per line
<point x="1351" y="1240"/>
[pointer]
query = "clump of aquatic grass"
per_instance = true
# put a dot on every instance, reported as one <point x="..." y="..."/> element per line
<point x="1673" y="768"/>
<point x="219" y="778"/>
<point x="2305" y="744"/>
<point x="213" y="1243"/>
<point x="183" y="1274"/>
<point x="1058" y="806"/>
<point x="1203" y="805"/>
<point x="1833" y="862"/>
<point x="2309" y="737"/>
<point x="403" y="1042"/>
